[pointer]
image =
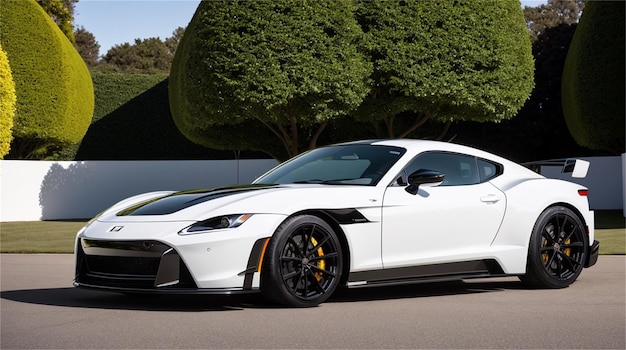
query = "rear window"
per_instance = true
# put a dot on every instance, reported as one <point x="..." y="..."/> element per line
<point x="488" y="170"/>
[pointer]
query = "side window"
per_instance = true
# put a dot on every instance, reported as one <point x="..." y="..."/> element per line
<point x="488" y="170"/>
<point x="459" y="169"/>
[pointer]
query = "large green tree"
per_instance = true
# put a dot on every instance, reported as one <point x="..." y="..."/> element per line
<point x="54" y="91"/>
<point x="444" y="60"/>
<point x="538" y="131"/>
<point x="593" y="78"/>
<point x="249" y="67"/>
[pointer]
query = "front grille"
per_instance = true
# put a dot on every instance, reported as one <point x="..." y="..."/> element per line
<point x="119" y="265"/>
<point x="123" y="265"/>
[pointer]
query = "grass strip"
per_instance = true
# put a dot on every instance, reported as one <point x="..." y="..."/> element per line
<point x="38" y="236"/>
<point x="612" y="241"/>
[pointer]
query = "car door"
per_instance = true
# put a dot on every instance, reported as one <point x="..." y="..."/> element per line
<point x="454" y="221"/>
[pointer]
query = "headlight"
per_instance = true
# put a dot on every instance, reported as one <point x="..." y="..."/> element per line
<point x="216" y="223"/>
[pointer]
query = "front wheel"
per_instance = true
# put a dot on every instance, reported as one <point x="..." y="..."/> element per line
<point x="303" y="263"/>
<point x="557" y="250"/>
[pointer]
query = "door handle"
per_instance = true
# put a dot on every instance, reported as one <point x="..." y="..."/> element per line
<point x="490" y="199"/>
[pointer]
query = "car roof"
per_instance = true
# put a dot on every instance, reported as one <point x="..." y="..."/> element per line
<point x="414" y="146"/>
<point x="420" y="145"/>
<point x="404" y="143"/>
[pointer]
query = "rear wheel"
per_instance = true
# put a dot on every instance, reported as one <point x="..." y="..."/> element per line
<point x="303" y="263"/>
<point x="557" y="250"/>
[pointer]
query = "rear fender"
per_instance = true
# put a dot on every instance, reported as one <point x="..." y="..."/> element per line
<point x="527" y="200"/>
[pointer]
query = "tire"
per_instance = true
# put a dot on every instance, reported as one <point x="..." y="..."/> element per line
<point x="298" y="274"/>
<point x="557" y="250"/>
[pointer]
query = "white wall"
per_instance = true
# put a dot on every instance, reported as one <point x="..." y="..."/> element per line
<point x="41" y="190"/>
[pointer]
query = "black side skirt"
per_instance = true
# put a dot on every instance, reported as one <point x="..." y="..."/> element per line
<point x="426" y="273"/>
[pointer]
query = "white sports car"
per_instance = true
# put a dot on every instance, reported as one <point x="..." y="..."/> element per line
<point x="356" y="214"/>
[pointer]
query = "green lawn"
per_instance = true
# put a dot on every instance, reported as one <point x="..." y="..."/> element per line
<point x="611" y="232"/>
<point x="38" y="236"/>
<point x="58" y="236"/>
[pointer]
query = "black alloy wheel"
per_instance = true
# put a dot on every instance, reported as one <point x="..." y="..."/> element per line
<point x="558" y="249"/>
<point x="303" y="263"/>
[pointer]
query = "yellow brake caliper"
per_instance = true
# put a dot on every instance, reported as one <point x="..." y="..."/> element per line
<point x="567" y="251"/>
<point x="321" y="264"/>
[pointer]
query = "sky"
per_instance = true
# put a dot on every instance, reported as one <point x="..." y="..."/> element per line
<point x="115" y="22"/>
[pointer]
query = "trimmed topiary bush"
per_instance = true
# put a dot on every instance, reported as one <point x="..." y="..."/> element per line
<point x="592" y="88"/>
<point x="268" y="75"/>
<point x="55" y="98"/>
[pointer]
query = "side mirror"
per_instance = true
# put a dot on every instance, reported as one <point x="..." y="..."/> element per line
<point x="423" y="177"/>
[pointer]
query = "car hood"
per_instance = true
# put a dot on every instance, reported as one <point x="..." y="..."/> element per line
<point x="249" y="199"/>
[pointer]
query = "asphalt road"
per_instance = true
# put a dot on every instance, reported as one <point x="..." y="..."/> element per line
<point x="40" y="309"/>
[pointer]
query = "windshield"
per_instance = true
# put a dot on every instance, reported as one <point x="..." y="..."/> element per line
<point x="355" y="164"/>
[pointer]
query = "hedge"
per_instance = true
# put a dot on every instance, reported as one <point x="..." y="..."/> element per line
<point x="593" y="78"/>
<point x="7" y="104"/>
<point x="55" y="98"/>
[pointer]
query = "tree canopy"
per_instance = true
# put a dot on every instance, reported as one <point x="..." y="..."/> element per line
<point x="445" y="60"/>
<point x="149" y="55"/>
<point x="552" y="14"/>
<point x="87" y="46"/>
<point x="53" y="87"/>
<point x="295" y="66"/>
<point x="290" y="66"/>
<point x="593" y="78"/>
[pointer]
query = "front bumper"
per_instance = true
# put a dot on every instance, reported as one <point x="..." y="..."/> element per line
<point x="594" y="251"/>
<point x="148" y="267"/>
<point x="151" y="257"/>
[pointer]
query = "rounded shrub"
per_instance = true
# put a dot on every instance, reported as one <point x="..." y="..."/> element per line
<point x="592" y="88"/>
<point x="55" y="96"/>
<point x="7" y="104"/>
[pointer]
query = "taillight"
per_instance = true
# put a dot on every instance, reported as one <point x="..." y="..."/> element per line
<point x="583" y="193"/>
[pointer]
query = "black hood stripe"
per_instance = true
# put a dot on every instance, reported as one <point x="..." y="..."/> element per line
<point x="181" y="200"/>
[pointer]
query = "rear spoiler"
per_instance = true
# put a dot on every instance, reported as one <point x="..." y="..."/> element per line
<point x="577" y="167"/>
